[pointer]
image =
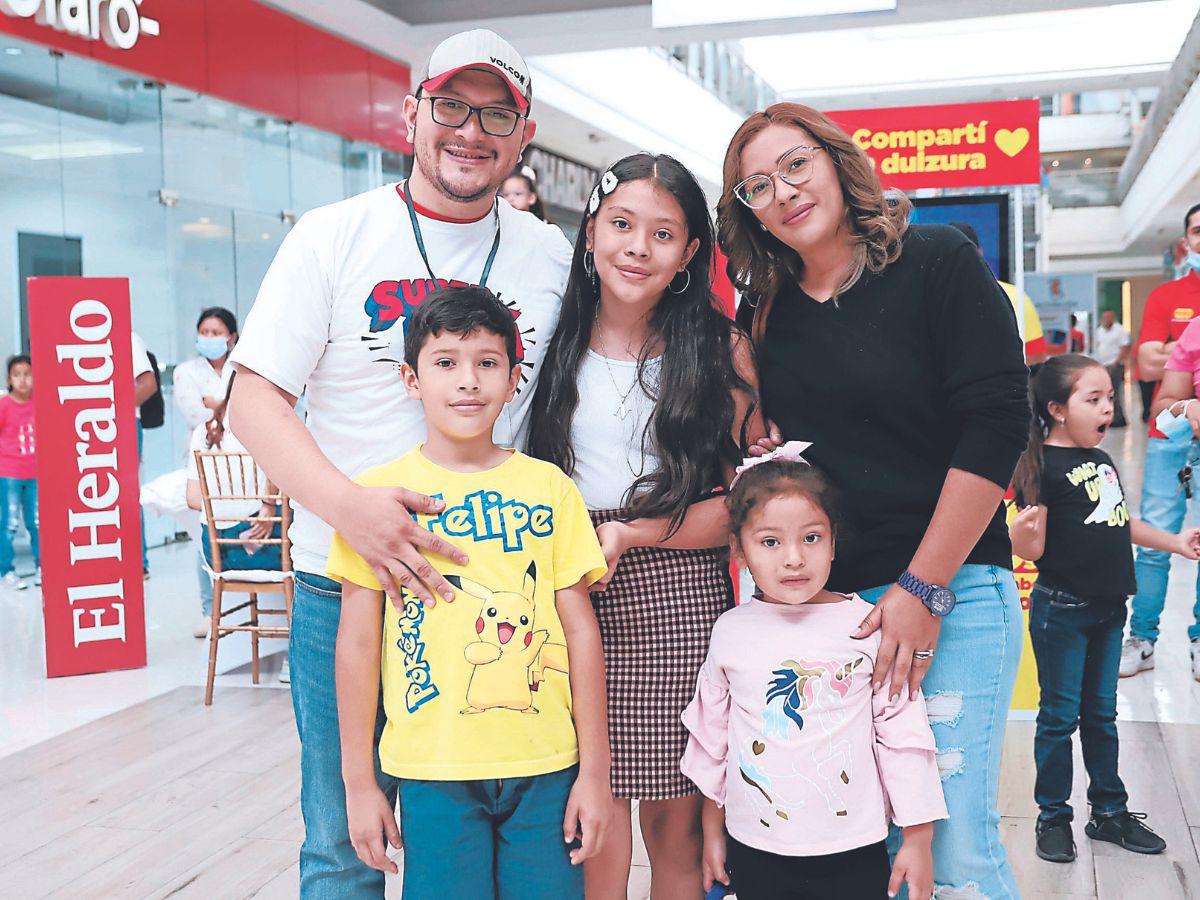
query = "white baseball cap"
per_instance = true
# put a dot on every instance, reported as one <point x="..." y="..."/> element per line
<point x="483" y="50"/>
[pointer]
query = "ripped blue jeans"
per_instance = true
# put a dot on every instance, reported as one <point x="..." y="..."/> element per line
<point x="968" y="691"/>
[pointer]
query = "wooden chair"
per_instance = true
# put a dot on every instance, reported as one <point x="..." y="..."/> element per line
<point x="235" y="476"/>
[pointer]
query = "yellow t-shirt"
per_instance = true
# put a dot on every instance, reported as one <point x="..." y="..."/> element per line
<point x="478" y="688"/>
<point x="1035" y="338"/>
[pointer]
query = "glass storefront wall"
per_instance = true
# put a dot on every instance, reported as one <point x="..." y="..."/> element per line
<point x="104" y="173"/>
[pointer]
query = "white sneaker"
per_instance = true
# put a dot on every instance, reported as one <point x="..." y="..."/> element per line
<point x="1196" y="659"/>
<point x="37" y="577"/>
<point x="13" y="580"/>
<point x="1137" y="655"/>
<point x="285" y="671"/>
<point x="201" y="629"/>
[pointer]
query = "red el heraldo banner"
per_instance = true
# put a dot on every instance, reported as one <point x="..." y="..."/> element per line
<point x="87" y="475"/>
<point x="952" y="146"/>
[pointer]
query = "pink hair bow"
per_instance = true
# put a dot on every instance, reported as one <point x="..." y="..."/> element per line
<point x="790" y="451"/>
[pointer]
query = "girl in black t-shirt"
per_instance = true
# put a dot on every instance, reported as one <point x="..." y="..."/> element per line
<point x="1075" y="524"/>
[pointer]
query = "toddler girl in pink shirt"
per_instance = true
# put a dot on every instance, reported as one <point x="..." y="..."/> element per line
<point x="801" y="763"/>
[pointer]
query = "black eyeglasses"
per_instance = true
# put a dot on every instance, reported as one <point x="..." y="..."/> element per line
<point x="498" y="121"/>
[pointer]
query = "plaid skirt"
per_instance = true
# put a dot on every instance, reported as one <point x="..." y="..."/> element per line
<point x="656" y="618"/>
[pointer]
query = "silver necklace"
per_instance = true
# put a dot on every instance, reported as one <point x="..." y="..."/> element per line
<point x="623" y="409"/>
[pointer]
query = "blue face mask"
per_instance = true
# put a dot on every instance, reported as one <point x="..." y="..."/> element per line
<point x="1193" y="260"/>
<point x="212" y="347"/>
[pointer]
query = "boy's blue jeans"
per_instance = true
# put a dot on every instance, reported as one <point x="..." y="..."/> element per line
<point x="488" y="840"/>
<point x="329" y="867"/>
<point x="18" y="500"/>
<point x="967" y="692"/>
<point x="1164" y="506"/>
<point x="1077" y="644"/>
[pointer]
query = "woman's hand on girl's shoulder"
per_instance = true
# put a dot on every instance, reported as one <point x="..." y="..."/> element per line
<point x="914" y="863"/>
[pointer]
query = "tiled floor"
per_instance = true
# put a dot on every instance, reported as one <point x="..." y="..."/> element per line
<point x="124" y="785"/>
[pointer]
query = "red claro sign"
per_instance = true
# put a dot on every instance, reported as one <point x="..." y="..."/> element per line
<point x="952" y="146"/>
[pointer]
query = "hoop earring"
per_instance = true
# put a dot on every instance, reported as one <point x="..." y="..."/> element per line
<point x="589" y="268"/>
<point x="686" y="284"/>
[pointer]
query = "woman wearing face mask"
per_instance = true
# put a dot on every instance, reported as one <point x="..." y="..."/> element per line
<point x="892" y="349"/>
<point x="201" y="381"/>
<point x="200" y="387"/>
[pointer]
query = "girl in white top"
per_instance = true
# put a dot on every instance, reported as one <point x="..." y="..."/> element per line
<point x="644" y="400"/>
<point x="201" y="382"/>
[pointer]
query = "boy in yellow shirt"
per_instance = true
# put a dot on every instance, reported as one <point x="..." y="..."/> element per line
<point x="500" y="747"/>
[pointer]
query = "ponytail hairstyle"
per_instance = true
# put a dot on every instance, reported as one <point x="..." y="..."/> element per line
<point x="1054" y="382"/>
<point x="759" y="263"/>
<point x="691" y="428"/>
<point x="216" y="425"/>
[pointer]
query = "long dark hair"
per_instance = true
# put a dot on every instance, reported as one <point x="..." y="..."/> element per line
<point x="692" y="424"/>
<point x="1054" y="382"/>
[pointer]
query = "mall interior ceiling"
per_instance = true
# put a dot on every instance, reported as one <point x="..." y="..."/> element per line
<point x="1117" y="81"/>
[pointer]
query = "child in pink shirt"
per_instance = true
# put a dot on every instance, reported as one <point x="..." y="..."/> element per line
<point x="803" y="765"/>
<point x="18" y="470"/>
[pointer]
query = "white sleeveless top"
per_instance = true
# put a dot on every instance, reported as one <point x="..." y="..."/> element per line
<point x="608" y="428"/>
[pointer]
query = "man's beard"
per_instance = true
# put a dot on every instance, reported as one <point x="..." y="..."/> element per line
<point x="433" y="174"/>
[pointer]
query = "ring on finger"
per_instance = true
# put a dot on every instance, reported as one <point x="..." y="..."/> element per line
<point x="922" y="654"/>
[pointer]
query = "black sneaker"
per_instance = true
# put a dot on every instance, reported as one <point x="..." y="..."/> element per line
<point x="1125" y="830"/>
<point x="1054" y="841"/>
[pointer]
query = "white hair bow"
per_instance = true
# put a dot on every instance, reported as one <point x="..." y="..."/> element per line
<point x="790" y="451"/>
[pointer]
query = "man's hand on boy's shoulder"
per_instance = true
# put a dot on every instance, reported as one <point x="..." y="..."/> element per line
<point x="378" y="524"/>
<point x="589" y="815"/>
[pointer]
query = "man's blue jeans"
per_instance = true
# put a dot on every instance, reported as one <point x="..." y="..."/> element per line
<point x="18" y="500"/>
<point x="1077" y="643"/>
<point x="967" y="693"/>
<point x="329" y="867"/>
<point x="1164" y="506"/>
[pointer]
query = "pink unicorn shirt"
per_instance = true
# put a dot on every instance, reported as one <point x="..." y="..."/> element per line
<point x="787" y="735"/>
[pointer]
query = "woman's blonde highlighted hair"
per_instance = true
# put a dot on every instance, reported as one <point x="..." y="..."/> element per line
<point x="759" y="263"/>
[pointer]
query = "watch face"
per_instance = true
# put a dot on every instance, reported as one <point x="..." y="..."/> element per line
<point x="941" y="601"/>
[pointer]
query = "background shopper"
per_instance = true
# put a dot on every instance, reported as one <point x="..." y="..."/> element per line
<point x="201" y="385"/>
<point x="18" y="470"/>
<point x="1169" y="310"/>
<point x="1111" y="349"/>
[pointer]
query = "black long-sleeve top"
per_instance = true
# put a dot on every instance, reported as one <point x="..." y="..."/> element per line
<point x="914" y="371"/>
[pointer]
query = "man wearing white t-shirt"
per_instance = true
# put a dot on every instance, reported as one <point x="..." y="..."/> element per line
<point x="329" y="321"/>
<point x="1111" y="349"/>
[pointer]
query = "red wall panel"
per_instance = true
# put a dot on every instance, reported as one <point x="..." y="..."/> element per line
<point x="390" y="82"/>
<point x="252" y="56"/>
<point x="176" y="55"/>
<point x="260" y="58"/>
<point x="334" y="85"/>
<point x="29" y="30"/>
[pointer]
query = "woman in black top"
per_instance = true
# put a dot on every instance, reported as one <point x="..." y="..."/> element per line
<point x="892" y="349"/>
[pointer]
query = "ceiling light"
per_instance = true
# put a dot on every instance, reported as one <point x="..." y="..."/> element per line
<point x="13" y="51"/>
<point x="266" y="235"/>
<point x="70" y="149"/>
